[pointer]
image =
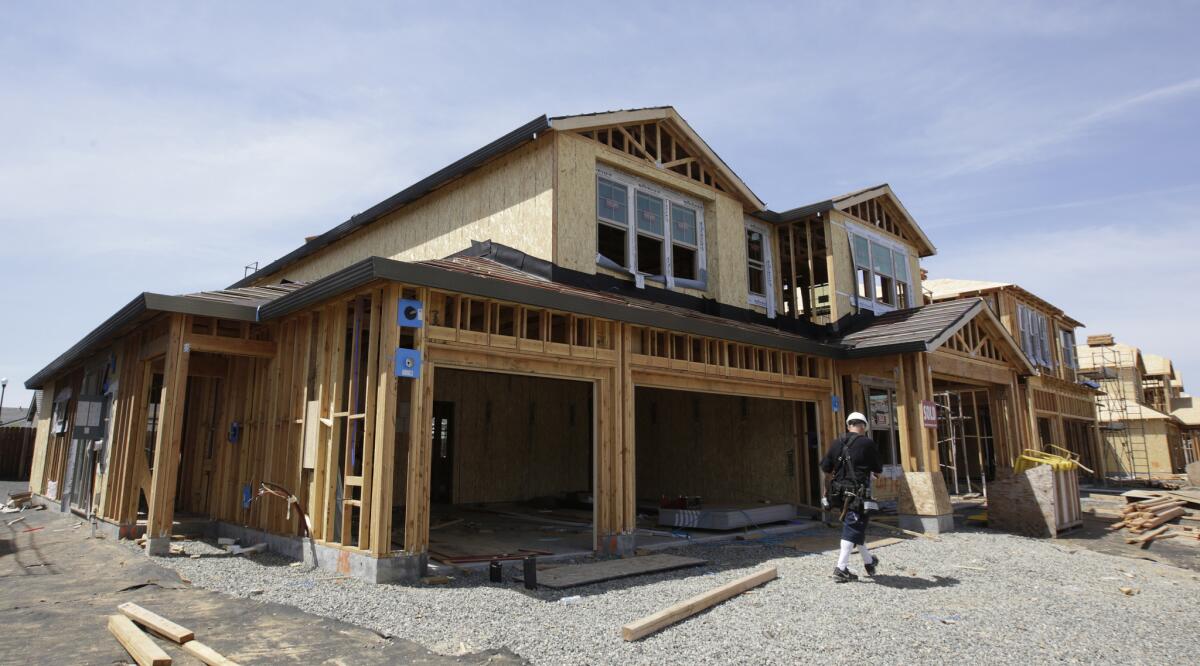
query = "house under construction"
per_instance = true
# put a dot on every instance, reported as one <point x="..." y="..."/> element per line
<point x="1142" y="438"/>
<point x="1060" y="405"/>
<point x="589" y="320"/>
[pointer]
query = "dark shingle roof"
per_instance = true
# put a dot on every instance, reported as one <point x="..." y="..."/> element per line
<point x="914" y="329"/>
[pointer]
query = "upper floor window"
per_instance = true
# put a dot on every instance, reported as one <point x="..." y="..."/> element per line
<point x="756" y="260"/>
<point x="881" y="273"/>
<point x="1067" y="339"/>
<point x="1034" y="336"/>
<point x="663" y="238"/>
<point x="760" y="272"/>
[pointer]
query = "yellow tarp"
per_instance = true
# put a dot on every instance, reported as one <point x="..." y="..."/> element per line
<point x="1030" y="458"/>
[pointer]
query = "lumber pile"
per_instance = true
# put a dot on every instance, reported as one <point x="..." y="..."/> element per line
<point x="144" y="650"/>
<point x="1151" y="516"/>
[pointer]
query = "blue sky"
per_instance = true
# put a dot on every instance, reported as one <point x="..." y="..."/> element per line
<point x="163" y="146"/>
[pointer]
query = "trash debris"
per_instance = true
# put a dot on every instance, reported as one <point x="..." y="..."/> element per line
<point x="256" y="548"/>
<point x="570" y="601"/>
<point x="15" y="521"/>
<point x="1129" y="591"/>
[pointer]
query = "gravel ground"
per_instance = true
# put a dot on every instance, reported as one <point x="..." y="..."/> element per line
<point x="976" y="596"/>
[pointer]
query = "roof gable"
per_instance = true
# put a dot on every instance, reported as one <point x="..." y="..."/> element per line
<point x="966" y="326"/>
<point x="879" y="206"/>
<point x="661" y="137"/>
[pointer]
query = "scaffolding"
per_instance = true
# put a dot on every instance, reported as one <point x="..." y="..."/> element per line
<point x="1120" y="420"/>
<point x="960" y="421"/>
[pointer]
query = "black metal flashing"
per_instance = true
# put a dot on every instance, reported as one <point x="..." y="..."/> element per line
<point x="523" y="134"/>
<point x="609" y="284"/>
<point x="425" y="275"/>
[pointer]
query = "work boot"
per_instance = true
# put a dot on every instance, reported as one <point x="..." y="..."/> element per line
<point x="871" y="567"/>
<point x="843" y="575"/>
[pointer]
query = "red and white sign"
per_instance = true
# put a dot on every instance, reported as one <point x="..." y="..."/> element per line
<point x="929" y="413"/>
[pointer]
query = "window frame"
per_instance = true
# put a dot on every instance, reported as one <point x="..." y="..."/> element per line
<point x="601" y="220"/>
<point x="1035" y="332"/>
<point x="865" y="275"/>
<point x="670" y="200"/>
<point x="1066" y="339"/>
<point x="767" y="299"/>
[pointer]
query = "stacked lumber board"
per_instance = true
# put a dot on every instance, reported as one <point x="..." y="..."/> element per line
<point x="127" y="629"/>
<point x="1151" y="516"/>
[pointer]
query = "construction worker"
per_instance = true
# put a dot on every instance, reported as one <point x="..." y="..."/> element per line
<point x="849" y="465"/>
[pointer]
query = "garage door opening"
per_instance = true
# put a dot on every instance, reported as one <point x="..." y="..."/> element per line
<point x="512" y="471"/>
<point x="712" y="465"/>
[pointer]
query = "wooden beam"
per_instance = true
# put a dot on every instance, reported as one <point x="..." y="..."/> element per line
<point x="685" y="609"/>
<point x="232" y="346"/>
<point x="156" y="623"/>
<point x="420" y="448"/>
<point x="168" y="442"/>
<point x="141" y="647"/>
<point x="368" y="448"/>
<point x="384" y="449"/>
<point x="207" y="655"/>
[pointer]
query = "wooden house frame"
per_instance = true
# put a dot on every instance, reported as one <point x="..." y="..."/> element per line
<point x="274" y="409"/>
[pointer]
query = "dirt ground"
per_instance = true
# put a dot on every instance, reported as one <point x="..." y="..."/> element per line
<point x="58" y="586"/>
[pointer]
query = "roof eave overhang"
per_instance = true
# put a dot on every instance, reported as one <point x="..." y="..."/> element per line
<point x="145" y="302"/>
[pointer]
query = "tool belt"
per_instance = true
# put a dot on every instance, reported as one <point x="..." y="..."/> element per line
<point x="845" y="495"/>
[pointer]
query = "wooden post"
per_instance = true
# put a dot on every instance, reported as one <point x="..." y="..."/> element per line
<point x="420" y="449"/>
<point x="167" y="445"/>
<point x="379" y="502"/>
<point x="626" y="437"/>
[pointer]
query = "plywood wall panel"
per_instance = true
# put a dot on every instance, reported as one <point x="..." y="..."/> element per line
<point x="516" y="437"/>
<point x="508" y="201"/>
<point x="722" y="448"/>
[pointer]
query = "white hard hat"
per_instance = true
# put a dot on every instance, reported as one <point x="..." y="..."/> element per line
<point x="855" y="416"/>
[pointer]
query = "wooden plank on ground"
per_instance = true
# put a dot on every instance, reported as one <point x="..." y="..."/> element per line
<point x="823" y="543"/>
<point x="206" y="654"/>
<point x="156" y="623"/>
<point x="141" y="647"/>
<point x="573" y="575"/>
<point x="685" y="609"/>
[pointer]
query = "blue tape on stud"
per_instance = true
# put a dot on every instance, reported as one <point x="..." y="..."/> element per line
<point x="835" y="404"/>
<point x="247" y="497"/>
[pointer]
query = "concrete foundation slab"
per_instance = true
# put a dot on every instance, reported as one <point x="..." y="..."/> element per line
<point x="927" y="524"/>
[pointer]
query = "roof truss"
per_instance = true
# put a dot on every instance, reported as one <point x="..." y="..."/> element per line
<point x="880" y="207"/>
<point x="663" y="139"/>
<point x="980" y="336"/>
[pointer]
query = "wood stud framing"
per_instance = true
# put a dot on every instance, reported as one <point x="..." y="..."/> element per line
<point x="655" y="143"/>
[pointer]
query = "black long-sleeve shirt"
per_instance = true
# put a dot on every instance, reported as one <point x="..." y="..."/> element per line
<point x="863" y="455"/>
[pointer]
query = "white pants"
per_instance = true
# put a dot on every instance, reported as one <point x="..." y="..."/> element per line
<point x="844" y="555"/>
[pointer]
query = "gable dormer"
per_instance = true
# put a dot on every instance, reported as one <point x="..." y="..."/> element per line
<point x="639" y="196"/>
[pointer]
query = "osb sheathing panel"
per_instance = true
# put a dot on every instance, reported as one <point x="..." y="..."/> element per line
<point x="841" y="277"/>
<point x="576" y="230"/>
<point x="1157" y="442"/>
<point x="722" y="448"/>
<point x="508" y="201"/>
<point x="516" y="437"/>
<point x="42" y="438"/>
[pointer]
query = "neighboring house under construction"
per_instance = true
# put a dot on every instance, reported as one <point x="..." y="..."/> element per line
<point x="1060" y="408"/>
<point x="1141" y="437"/>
